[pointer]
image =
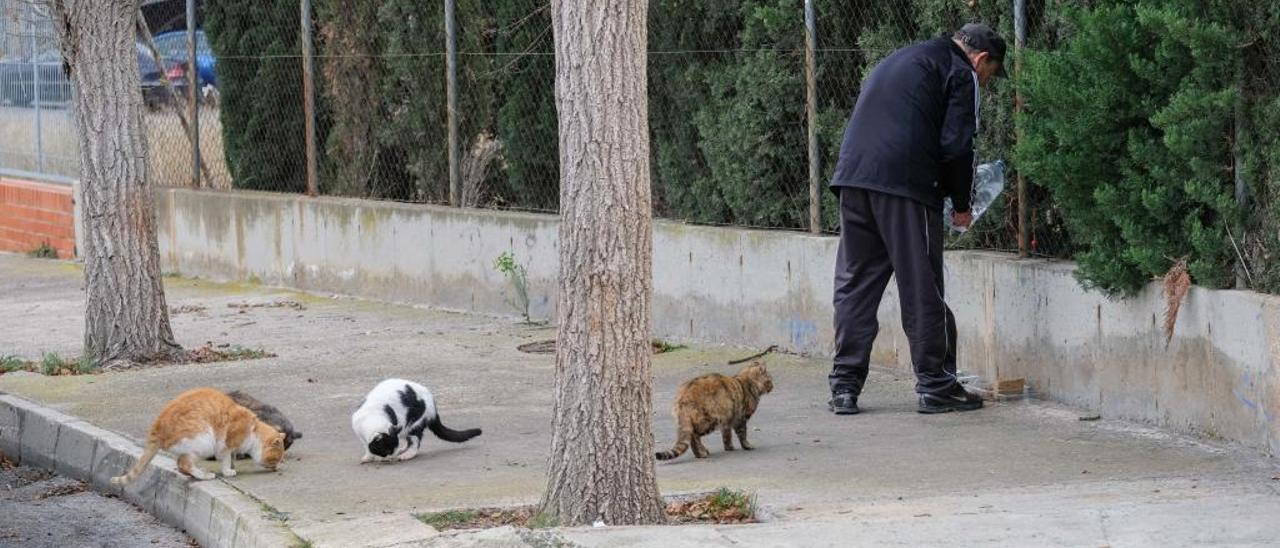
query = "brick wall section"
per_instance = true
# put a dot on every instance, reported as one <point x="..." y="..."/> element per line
<point x="34" y="213"/>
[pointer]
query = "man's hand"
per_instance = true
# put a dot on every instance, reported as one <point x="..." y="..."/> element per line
<point x="962" y="220"/>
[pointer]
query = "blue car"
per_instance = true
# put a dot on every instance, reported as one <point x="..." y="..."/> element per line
<point x="19" y="75"/>
<point x="173" y="45"/>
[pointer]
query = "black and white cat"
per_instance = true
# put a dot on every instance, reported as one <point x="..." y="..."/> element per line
<point x="392" y="418"/>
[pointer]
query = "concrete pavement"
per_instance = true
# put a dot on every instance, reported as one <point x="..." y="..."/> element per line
<point x="1014" y="474"/>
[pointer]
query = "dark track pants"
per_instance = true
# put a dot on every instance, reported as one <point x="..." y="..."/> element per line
<point x="880" y="235"/>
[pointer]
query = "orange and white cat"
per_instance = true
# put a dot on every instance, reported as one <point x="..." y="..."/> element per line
<point x="206" y="422"/>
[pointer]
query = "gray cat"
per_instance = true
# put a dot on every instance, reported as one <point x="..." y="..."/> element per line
<point x="268" y="414"/>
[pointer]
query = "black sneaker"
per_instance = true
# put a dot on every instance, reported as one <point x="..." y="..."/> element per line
<point x="843" y="403"/>
<point x="957" y="399"/>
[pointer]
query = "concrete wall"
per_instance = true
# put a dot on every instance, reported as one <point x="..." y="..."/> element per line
<point x="1028" y="319"/>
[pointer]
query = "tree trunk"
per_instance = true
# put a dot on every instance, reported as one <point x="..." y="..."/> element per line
<point x="126" y="318"/>
<point x="602" y="464"/>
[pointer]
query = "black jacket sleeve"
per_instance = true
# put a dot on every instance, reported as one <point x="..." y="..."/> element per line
<point x="958" y="128"/>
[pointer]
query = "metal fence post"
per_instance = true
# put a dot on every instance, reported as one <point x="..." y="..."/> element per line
<point x="811" y="113"/>
<point x="1242" y="188"/>
<point x="308" y="97"/>
<point x="1019" y="40"/>
<point x="193" y="82"/>
<point x="451" y="84"/>
<point x="35" y="93"/>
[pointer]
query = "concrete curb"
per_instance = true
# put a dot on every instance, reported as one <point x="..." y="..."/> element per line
<point x="212" y="512"/>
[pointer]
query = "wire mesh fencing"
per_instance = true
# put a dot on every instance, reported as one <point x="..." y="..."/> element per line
<point x="729" y="112"/>
<point x="36" y="133"/>
<point x="1255" y="242"/>
<point x="744" y="129"/>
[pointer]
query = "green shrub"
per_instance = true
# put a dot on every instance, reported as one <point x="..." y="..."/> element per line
<point x="1130" y="125"/>
<point x="260" y="91"/>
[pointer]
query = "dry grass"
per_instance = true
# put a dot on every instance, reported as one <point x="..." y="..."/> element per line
<point x="549" y="347"/>
<point x="278" y="303"/>
<point x="1177" y="282"/>
<point x="724" y="506"/>
<point x="187" y="309"/>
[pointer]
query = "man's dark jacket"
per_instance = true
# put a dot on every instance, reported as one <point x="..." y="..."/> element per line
<point x="911" y="132"/>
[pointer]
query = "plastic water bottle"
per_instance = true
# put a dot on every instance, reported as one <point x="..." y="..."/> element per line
<point x="988" y="183"/>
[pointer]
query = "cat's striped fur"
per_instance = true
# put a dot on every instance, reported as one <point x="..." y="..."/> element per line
<point x="715" y="401"/>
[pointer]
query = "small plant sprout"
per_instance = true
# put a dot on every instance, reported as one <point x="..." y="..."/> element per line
<point x="506" y="264"/>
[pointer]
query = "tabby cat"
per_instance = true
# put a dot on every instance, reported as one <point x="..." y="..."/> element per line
<point x="268" y="414"/>
<point x="203" y="422"/>
<point x="713" y="401"/>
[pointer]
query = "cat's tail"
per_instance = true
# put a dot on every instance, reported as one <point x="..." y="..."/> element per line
<point x="443" y="432"/>
<point x="140" y="466"/>
<point x="682" y="442"/>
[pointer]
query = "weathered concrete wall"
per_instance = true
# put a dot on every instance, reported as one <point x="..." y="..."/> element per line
<point x="1219" y="375"/>
<point x="398" y="252"/>
<point x="1017" y="318"/>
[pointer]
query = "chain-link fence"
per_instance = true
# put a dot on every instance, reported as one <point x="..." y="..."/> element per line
<point x="728" y="102"/>
<point x="37" y="133"/>
<point x="741" y="131"/>
<point x="35" y="127"/>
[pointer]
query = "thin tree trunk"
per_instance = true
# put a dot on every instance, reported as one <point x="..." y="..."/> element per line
<point x="126" y="317"/>
<point x="602" y="464"/>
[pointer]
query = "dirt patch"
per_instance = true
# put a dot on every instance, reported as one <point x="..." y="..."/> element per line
<point x="186" y="309"/>
<point x="480" y="518"/>
<point x="54" y="365"/>
<point x="549" y="347"/>
<point x="722" y="507"/>
<point x="278" y="303"/>
<point x="538" y="347"/>
<point x="209" y="353"/>
<point x="64" y="489"/>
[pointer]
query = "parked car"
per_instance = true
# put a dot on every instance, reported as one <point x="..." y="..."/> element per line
<point x="18" y="78"/>
<point x="154" y="93"/>
<point x="173" y="45"/>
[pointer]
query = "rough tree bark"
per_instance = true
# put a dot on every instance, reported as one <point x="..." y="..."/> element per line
<point x="126" y="316"/>
<point x="602" y="464"/>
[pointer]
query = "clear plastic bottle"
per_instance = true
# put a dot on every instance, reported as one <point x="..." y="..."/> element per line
<point x="988" y="182"/>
